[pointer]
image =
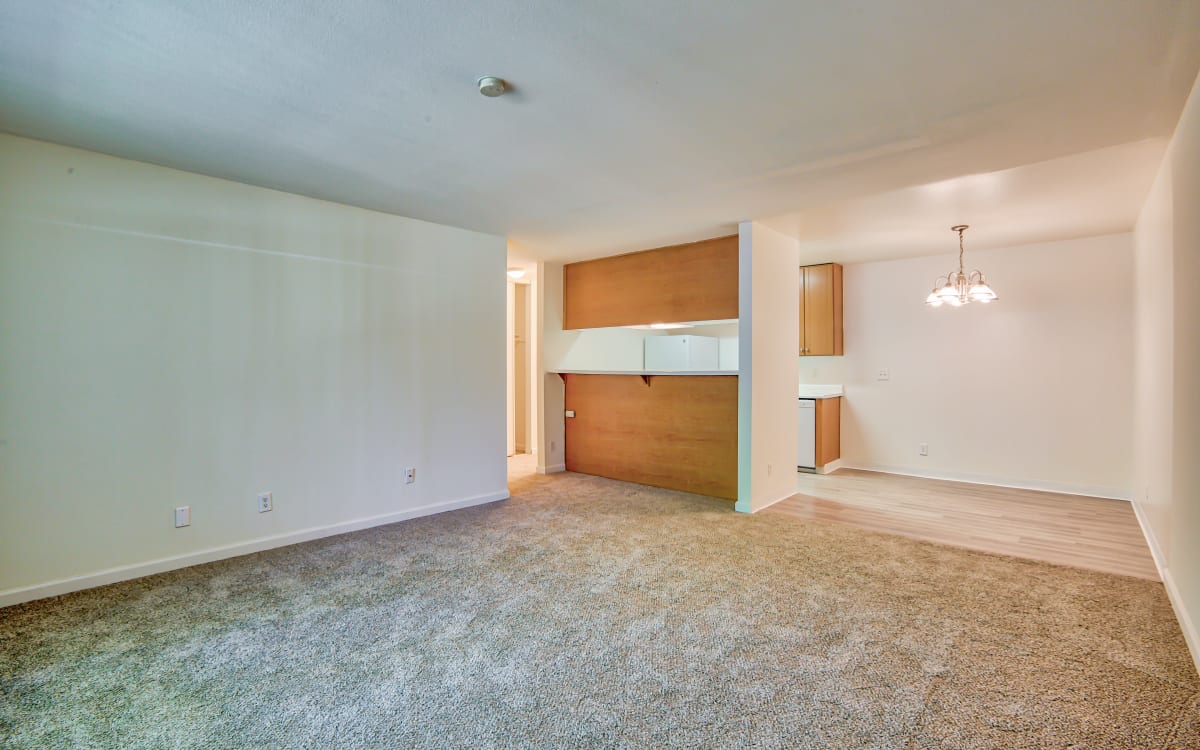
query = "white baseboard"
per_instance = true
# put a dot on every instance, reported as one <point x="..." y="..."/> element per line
<point x="1186" y="623"/>
<point x="553" y="469"/>
<point x="741" y="507"/>
<point x="1063" y="488"/>
<point x="1160" y="561"/>
<point x="830" y="467"/>
<point x="1190" y="635"/>
<point x="161" y="565"/>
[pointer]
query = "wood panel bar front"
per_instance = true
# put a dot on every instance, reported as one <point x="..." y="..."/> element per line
<point x="672" y="431"/>
<point x="681" y="283"/>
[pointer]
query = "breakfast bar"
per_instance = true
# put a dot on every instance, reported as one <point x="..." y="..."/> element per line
<point x="672" y="429"/>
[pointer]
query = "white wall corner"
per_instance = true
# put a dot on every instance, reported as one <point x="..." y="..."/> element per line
<point x="1190" y="635"/>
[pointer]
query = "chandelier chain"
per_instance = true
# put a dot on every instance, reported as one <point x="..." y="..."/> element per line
<point x="960" y="248"/>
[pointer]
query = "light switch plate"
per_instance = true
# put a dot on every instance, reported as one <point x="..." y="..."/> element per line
<point x="884" y="374"/>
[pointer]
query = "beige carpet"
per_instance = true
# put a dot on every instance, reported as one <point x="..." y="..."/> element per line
<point x="587" y="613"/>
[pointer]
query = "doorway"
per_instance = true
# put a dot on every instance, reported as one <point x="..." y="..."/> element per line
<point x="522" y="346"/>
<point x="520" y="379"/>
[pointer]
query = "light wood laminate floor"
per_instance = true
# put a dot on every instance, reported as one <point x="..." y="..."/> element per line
<point x="1085" y="532"/>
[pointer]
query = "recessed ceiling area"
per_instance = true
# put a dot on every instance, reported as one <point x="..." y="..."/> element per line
<point x="1082" y="195"/>
<point x="629" y="124"/>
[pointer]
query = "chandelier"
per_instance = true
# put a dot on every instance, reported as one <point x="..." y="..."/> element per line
<point x="958" y="288"/>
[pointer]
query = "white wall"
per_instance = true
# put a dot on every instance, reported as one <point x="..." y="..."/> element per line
<point x="1167" y="391"/>
<point x="170" y="339"/>
<point x="597" y="349"/>
<point x="1154" y="374"/>
<point x="1031" y="391"/>
<point x="769" y="329"/>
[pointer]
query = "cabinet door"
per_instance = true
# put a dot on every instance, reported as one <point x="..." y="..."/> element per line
<point x="818" y="310"/>
<point x="803" y="271"/>
<point x="681" y="283"/>
<point x="828" y="430"/>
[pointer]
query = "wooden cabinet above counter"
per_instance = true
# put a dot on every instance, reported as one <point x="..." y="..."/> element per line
<point x="696" y="281"/>
<point x="821" y="310"/>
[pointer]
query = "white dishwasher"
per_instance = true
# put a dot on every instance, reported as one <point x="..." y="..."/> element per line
<point x="807" y="457"/>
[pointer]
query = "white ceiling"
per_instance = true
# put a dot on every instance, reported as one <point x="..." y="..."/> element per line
<point x="1093" y="193"/>
<point x="633" y="124"/>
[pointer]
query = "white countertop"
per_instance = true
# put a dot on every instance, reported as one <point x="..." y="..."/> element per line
<point x="820" y="391"/>
<point x="647" y="372"/>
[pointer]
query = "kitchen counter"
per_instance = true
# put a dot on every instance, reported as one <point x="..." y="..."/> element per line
<point x="647" y="372"/>
<point x="821" y="391"/>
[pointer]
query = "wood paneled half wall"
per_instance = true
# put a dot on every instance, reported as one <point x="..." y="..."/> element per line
<point x="673" y="431"/>
<point x="696" y="281"/>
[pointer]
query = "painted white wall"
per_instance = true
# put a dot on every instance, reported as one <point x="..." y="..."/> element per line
<point x="769" y="327"/>
<point x="172" y="339"/>
<point x="727" y="353"/>
<point x="1167" y="384"/>
<point x="1154" y="374"/>
<point x="598" y="348"/>
<point x="1031" y="391"/>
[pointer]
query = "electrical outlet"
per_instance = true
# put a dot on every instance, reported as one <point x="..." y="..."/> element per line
<point x="266" y="502"/>
<point x="410" y="475"/>
<point x="924" y="448"/>
<point x="183" y="516"/>
<point x="884" y="374"/>
<point x="768" y="469"/>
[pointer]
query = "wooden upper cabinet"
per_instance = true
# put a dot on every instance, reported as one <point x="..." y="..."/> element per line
<point x="696" y="281"/>
<point x="821" y="310"/>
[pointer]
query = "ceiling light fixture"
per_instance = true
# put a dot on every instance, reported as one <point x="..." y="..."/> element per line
<point x="959" y="288"/>
<point x="516" y="272"/>
<point x="492" y="86"/>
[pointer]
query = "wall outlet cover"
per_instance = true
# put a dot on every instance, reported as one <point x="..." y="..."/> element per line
<point x="183" y="516"/>
<point x="266" y="502"/>
<point x="410" y="475"/>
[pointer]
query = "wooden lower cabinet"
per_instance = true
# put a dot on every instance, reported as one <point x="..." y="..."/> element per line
<point x="829" y="430"/>
<point x="673" y="431"/>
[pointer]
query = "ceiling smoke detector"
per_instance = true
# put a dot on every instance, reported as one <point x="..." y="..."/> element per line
<point x="492" y="86"/>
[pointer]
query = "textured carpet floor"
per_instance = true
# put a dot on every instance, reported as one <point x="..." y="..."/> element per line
<point x="589" y="613"/>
